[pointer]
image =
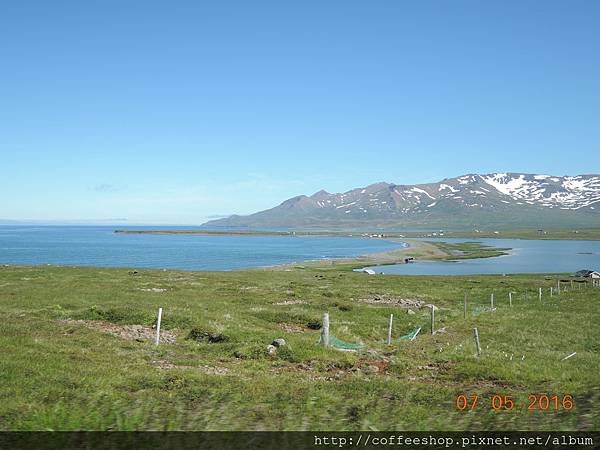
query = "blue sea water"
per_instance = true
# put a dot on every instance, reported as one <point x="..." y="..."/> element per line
<point x="100" y="246"/>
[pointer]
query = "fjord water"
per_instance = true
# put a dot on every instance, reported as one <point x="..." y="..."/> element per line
<point x="525" y="256"/>
<point x="101" y="247"/>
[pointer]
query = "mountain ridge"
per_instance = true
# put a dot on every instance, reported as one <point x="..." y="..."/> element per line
<point x="498" y="199"/>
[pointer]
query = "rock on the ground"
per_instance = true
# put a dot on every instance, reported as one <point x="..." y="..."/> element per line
<point x="271" y="349"/>
<point x="278" y="342"/>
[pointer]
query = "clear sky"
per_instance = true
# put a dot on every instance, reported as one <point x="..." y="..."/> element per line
<point x="177" y="111"/>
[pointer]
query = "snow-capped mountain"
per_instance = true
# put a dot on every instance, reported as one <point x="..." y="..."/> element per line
<point x="496" y="199"/>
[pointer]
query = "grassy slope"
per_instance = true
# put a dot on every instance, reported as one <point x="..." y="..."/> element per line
<point x="62" y="375"/>
<point x="561" y="234"/>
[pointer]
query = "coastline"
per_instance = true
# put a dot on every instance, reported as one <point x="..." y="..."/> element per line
<point x="419" y="250"/>
<point x="416" y="249"/>
<point x="527" y="234"/>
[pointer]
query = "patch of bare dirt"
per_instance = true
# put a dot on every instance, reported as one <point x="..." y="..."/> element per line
<point x="213" y="370"/>
<point x="165" y="365"/>
<point x="388" y="300"/>
<point x="374" y="366"/>
<point x="335" y="372"/>
<point x="311" y="372"/>
<point x="129" y="332"/>
<point x="290" y="328"/>
<point x="442" y="366"/>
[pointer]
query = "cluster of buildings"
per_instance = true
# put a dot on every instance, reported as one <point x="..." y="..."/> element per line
<point x="586" y="273"/>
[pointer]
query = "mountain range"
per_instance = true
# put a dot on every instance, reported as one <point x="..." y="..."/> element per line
<point x="495" y="200"/>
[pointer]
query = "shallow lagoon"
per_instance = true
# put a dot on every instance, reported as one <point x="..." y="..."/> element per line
<point x="526" y="256"/>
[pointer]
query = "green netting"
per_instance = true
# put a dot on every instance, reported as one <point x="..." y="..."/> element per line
<point x="338" y="343"/>
<point x="410" y="336"/>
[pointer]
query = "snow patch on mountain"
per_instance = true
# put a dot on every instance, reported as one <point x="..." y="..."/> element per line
<point x="505" y="184"/>
<point x="421" y="191"/>
<point x="545" y="190"/>
<point x="445" y="186"/>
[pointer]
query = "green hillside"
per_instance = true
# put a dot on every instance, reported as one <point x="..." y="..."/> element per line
<point x="75" y="352"/>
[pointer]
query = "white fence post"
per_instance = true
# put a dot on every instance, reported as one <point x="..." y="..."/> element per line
<point x="157" y="340"/>
<point x="325" y="332"/>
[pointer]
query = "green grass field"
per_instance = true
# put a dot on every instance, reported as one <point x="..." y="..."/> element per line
<point x="62" y="369"/>
<point x="469" y="250"/>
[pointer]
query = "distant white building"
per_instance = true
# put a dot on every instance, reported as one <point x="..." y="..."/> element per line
<point x="588" y="274"/>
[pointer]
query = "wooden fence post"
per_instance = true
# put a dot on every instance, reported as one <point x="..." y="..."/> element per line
<point x="540" y="294"/>
<point x="389" y="336"/>
<point x="510" y="298"/>
<point x="432" y="318"/>
<point x="492" y="300"/>
<point x="476" y="334"/>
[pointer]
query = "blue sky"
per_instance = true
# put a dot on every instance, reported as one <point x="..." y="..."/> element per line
<point x="174" y="112"/>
